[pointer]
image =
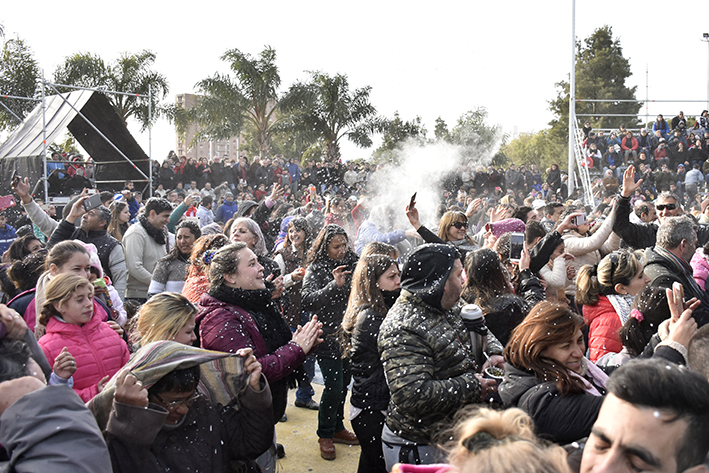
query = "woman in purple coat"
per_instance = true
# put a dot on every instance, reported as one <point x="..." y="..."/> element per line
<point x="238" y="312"/>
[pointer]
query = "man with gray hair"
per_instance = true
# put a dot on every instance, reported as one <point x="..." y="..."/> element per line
<point x="642" y="235"/>
<point x="668" y="261"/>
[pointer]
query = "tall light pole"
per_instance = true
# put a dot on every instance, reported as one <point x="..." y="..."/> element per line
<point x="572" y="100"/>
<point x="705" y="38"/>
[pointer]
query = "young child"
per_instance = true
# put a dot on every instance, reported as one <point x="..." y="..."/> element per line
<point x="103" y="287"/>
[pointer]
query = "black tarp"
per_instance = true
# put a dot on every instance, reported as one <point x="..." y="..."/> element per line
<point x="25" y="143"/>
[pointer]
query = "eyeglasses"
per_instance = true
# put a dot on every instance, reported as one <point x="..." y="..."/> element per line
<point x="459" y="225"/>
<point x="174" y="405"/>
<point x="662" y="207"/>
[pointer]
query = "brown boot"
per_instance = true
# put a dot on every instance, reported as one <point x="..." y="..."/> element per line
<point x="345" y="436"/>
<point x="327" y="449"/>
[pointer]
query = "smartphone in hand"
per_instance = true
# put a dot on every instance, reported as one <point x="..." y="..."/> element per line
<point x="92" y="202"/>
<point x="412" y="202"/>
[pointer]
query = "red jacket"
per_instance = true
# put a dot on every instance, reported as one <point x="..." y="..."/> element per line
<point x="96" y="347"/>
<point x="604" y="325"/>
<point x="632" y="145"/>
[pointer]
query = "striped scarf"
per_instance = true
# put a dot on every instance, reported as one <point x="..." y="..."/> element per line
<point x="222" y="376"/>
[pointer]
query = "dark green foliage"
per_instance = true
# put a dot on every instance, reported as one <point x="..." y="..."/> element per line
<point x="130" y="73"/>
<point x="327" y="108"/>
<point x="601" y="72"/>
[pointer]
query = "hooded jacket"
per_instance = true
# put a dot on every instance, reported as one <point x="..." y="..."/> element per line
<point x="426" y="351"/>
<point x="96" y="347"/>
<point x="226" y="211"/>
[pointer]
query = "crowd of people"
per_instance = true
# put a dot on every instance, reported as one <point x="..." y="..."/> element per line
<point x="517" y="329"/>
<point x="667" y="157"/>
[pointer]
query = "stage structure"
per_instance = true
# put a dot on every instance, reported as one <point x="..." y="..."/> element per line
<point x="93" y="122"/>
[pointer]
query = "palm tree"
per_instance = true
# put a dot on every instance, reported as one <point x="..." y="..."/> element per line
<point x="229" y="103"/>
<point x="131" y="73"/>
<point x="326" y="106"/>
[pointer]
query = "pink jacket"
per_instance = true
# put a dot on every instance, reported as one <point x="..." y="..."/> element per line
<point x="701" y="267"/>
<point x="97" y="349"/>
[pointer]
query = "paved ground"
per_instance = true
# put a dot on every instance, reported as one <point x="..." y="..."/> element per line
<point x="301" y="442"/>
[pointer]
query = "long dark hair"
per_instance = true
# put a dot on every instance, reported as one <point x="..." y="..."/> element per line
<point x="547" y="324"/>
<point x="365" y="292"/>
<point x="318" y="252"/>
<point x="486" y="278"/>
<point x="18" y="250"/>
<point x="299" y="223"/>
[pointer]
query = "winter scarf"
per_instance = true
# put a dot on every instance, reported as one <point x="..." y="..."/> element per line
<point x="158" y="235"/>
<point x="593" y="378"/>
<point x="622" y="303"/>
<point x="263" y="309"/>
<point x="222" y="375"/>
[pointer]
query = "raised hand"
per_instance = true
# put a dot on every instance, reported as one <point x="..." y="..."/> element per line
<point x="22" y="189"/>
<point x="629" y="184"/>
<point x="276" y="193"/>
<point x="308" y="336"/>
<point x="130" y="391"/>
<point x="340" y="274"/>
<point x="252" y="367"/>
<point x="413" y="215"/>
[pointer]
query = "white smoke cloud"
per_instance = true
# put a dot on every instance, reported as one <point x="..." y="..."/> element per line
<point x="422" y="169"/>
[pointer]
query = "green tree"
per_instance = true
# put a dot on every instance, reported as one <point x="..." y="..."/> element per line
<point x="130" y="73"/>
<point x="19" y="75"/>
<point x="601" y="72"/>
<point x="325" y="105"/>
<point x="396" y="132"/>
<point x="245" y="100"/>
<point x="535" y="148"/>
<point x="441" y="130"/>
<point x="477" y="138"/>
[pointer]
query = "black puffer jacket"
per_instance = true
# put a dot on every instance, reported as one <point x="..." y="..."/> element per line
<point x="426" y="351"/>
<point x="323" y="298"/>
<point x="427" y="358"/>
<point x="561" y="419"/>
<point x="370" y="388"/>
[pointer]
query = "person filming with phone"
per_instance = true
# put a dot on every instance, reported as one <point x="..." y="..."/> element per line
<point x="586" y="245"/>
<point x="94" y="221"/>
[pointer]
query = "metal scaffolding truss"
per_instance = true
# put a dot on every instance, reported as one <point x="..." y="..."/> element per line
<point x="19" y="142"/>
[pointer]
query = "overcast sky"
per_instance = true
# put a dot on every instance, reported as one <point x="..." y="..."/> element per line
<point x="428" y="59"/>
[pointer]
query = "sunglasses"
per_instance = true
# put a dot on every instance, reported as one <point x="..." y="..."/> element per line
<point x="459" y="225"/>
<point x="662" y="207"/>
